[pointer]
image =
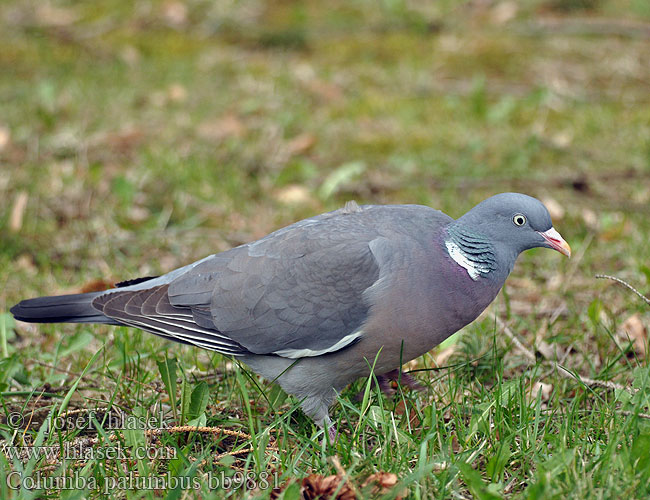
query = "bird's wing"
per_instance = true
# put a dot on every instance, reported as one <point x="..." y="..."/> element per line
<point x="150" y="310"/>
<point x="296" y="293"/>
<point x="302" y="291"/>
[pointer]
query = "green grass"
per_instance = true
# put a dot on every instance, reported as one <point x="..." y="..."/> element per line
<point x="144" y="136"/>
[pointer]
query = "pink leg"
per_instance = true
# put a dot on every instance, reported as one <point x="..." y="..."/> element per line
<point x="331" y="430"/>
<point x="388" y="382"/>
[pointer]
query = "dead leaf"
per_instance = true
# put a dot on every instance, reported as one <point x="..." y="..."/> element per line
<point x="293" y="194"/>
<point x="541" y="388"/>
<point x="301" y="144"/>
<point x="554" y="208"/>
<point x="562" y="139"/>
<point x="316" y="486"/>
<point x="49" y="15"/>
<point x="32" y="329"/>
<point x="25" y="262"/>
<point x="634" y="330"/>
<point x="441" y="357"/>
<point x="411" y="365"/>
<point x="176" y="93"/>
<point x="227" y="126"/>
<point x="555" y="281"/>
<point x="455" y="445"/>
<point x="98" y="285"/>
<point x="304" y="72"/>
<point x="616" y="228"/>
<point x="130" y="55"/>
<point x="138" y="213"/>
<point x="590" y="218"/>
<point x="382" y="483"/>
<point x="5" y="136"/>
<point x="545" y="349"/>
<point x="121" y="141"/>
<point x="175" y="13"/>
<point x="324" y="90"/>
<point x="17" y="211"/>
<point x="503" y="12"/>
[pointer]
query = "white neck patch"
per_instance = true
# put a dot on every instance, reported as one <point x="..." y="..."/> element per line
<point x="474" y="269"/>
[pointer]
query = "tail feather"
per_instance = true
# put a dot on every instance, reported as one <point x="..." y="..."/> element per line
<point x="75" y="308"/>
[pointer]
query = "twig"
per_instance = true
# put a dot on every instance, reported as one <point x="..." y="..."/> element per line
<point x="589" y="27"/>
<point x="628" y="413"/>
<point x="217" y="458"/>
<point x="625" y="284"/>
<point x="52" y="367"/>
<point x="552" y="369"/>
<point x="191" y="428"/>
<point x="84" y="442"/>
<point x="555" y="365"/>
<point x="518" y="344"/>
<point x="561" y="309"/>
<point x="31" y="415"/>
<point x="607" y="384"/>
<point x="76" y="375"/>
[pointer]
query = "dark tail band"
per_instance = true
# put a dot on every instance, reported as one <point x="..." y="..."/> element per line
<point x="61" y="309"/>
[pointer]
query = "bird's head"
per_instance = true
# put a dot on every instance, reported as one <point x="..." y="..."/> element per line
<point x="515" y="221"/>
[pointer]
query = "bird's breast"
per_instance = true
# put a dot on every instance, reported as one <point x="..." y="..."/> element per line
<point x="422" y="307"/>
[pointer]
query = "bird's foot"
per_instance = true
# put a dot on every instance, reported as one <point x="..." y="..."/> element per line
<point x="388" y="383"/>
<point x="408" y="381"/>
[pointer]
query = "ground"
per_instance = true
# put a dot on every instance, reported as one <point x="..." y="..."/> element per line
<point x="139" y="136"/>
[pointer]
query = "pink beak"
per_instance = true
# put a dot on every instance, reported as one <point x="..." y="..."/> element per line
<point x="556" y="241"/>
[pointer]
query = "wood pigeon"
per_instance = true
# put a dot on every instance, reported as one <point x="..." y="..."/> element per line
<point x="316" y="304"/>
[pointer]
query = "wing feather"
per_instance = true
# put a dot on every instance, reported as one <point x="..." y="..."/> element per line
<point x="305" y="290"/>
<point x="150" y="310"/>
<point x="297" y="292"/>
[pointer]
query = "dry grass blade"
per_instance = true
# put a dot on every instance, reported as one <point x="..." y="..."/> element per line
<point x="530" y="356"/>
<point x="18" y="211"/>
<point x="634" y="331"/>
<point x="192" y="428"/>
<point x="625" y="284"/>
<point x="583" y="26"/>
<point x="344" y="475"/>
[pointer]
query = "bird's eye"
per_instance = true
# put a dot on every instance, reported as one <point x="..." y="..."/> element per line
<point x="519" y="220"/>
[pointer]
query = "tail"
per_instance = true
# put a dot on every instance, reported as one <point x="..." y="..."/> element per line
<point x="75" y="308"/>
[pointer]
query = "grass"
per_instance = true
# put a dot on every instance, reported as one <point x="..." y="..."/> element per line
<point x="137" y="137"/>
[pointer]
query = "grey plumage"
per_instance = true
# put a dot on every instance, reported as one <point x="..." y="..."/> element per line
<point x="311" y="305"/>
